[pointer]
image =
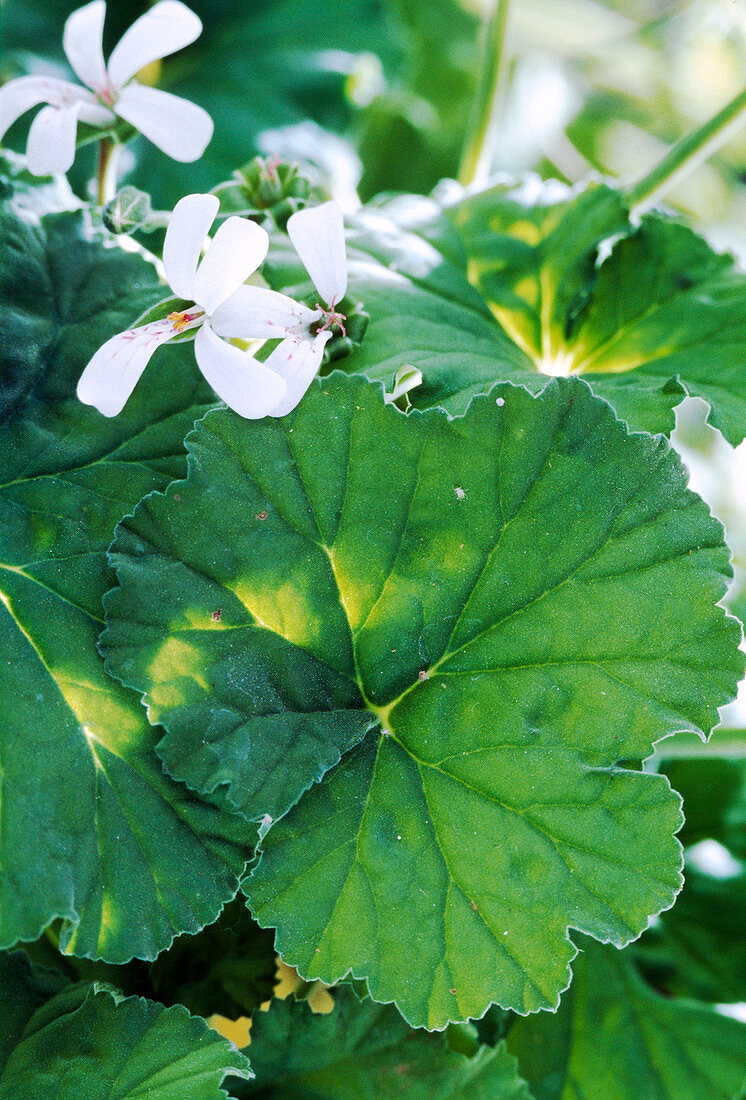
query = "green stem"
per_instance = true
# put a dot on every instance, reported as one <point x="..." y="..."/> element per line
<point x="106" y="179"/>
<point x="688" y="154"/>
<point x="479" y="144"/>
<point x="724" y="744"/>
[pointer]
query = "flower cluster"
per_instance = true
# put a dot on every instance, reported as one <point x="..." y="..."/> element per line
<point x="213" y="305"/>
<point x="179" y="128"/>
<point x="219" y="307"/>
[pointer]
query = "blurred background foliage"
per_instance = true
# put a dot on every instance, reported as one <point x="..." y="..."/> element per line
<point x="375" y="95"/>
<point x="593" y="85"/>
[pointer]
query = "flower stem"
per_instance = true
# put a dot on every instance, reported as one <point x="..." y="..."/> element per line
<point x="726" y="744"/>
<point x="108" y="160"/>
<point x="688" y="154"/>
<point x="479" y="144"/>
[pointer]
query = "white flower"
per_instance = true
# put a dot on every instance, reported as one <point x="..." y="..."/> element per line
<point x="318" y="236"/>
<point x="239" y="246"/>
<point x="181" y="129"/>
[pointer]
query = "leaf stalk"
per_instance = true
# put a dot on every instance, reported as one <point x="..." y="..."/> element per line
<point x="688" y="154"/>
<point x="480" y="141"/>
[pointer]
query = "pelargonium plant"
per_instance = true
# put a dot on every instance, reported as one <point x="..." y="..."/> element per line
<point x="359" y="629"/>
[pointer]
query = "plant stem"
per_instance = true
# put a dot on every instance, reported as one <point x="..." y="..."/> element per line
<point x="108" y="159"/>
<point x="479" y="144"/>
<point x="688" y="154"/>
<point x="724" y="744"/>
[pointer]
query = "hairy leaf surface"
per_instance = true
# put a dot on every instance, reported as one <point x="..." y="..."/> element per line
<point x="522" y="598"/>
<point x="84" y="1041"/>
<point x="92" y="831"/>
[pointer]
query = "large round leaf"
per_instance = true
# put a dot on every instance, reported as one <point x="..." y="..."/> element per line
<point x="522" y="597"/>
<point x="91" y="830"/>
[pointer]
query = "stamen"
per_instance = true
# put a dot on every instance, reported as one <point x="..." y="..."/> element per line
<point x="180" y="321"/>
<point x="332" y="318"/>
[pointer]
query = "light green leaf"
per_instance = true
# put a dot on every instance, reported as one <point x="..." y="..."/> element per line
<point x="83" y="1041"/>
<point x="652" y="316"/>
<point x="614" y="1038"/>
<point x="522" y="598"/>
<point x="92" y="831"/>
<point x="368" y="1051"/>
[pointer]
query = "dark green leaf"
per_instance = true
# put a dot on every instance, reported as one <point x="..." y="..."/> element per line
<point x="368" y="1051"/>
<point x="697" y="949"/>
<point x="229" y="968"/>
<point x="92" y="831"/>
<point x="83" y="1041"/>
<point x="613" y="1037"/>
<point x="522" y="598"/>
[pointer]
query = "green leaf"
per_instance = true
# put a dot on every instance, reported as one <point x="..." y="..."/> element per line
<point x="368" y="1051"/>
<point x="697" y="949"/>
<point x="655" y="315"/>
<point x="522" y="597"/>
<point x="230" y="968"/>
<point x="613" y="1037"/>
<point x="92" y="831"/>
<point x="714" y="794"/>
<point x="83" y="1041"/>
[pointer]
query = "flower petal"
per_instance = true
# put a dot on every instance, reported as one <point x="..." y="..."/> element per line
<point x="180" y="128"/>
<point x="297" y="361"/>
<point x="318" y="235"/>
<point x="167" y="27"/>
<point x="189" y="225"/>
<point x="82" y="41"/>
<point x="18" y="96"/>
<point x="51" y="140"/>
<point x="246" y="385"/>
<point x="115" y="369"/>
<point x="253" y="313"/>
<point x="235" y="252"/>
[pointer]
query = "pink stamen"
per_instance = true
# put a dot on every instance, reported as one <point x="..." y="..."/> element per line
<point x="332" y="318"/>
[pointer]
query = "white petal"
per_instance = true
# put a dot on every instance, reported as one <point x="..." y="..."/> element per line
<point x="167" y="27"/>
<point x="180" y="128"/>
<point x="113" y="373"/>
<point x="51" y="140"/>
<point x="82" y="42"/>
<point x="18" y="96"/>
<point x="297" y="361"/>
<point x="246" y="386"/>
<point x="235" y="252"/>
<point x="189" y="225"/>
<point x="254" y="313"/>
<point x="319" y="238"/>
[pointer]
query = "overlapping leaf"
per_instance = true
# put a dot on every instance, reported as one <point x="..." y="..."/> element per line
<point x="521" y="597"/>
<point x="368" y="1051"/>
<point x="83" y="1041"/>
<point x="613" y="1036"/>
<point x="654" y="315"/>
<point x="92" y="831"/>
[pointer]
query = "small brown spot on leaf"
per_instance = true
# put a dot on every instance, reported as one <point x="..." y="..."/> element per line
<point x="217" y="615"/>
